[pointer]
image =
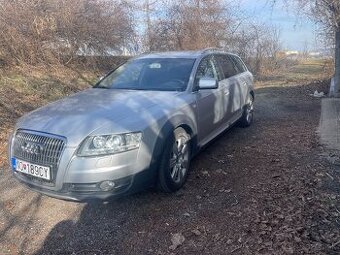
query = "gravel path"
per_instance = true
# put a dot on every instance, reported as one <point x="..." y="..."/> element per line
<point x="259" y="190"/>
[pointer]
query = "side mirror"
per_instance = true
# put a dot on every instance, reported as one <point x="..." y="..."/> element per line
<point x="207" y="83"/>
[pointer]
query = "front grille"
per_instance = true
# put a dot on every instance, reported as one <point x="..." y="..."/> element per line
<point x="40" y="149"/>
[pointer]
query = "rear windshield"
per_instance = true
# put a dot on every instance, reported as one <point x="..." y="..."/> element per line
<point x="169" y="74"/>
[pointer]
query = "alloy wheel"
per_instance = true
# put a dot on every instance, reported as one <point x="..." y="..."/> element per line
<point x="179" y="160"/>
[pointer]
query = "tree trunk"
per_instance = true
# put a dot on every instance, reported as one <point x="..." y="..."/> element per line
<point x="337" y="64"/>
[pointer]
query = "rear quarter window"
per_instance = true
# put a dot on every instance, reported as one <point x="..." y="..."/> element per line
<point x="241" y="68"/>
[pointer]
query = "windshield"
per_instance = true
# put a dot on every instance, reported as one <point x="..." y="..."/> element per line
<point x="169" y="74"/>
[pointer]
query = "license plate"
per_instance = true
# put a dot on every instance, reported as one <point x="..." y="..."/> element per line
<point x="38" y="171"/>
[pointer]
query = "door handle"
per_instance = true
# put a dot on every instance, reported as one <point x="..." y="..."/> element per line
<point x="227" y="92"/>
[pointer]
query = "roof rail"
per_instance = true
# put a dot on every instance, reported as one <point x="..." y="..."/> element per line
<point x="211" y="49"/>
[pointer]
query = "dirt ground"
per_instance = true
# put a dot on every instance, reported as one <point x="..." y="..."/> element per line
<point x="266" y="189"/>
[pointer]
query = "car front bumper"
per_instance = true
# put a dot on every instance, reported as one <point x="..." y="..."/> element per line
<point x="79" y="178"/>
<point x="85" y="192"/>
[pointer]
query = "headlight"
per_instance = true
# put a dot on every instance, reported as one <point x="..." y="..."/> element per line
<point x="109" y="144"/>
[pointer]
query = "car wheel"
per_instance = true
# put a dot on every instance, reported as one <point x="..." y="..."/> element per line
<point x="175" y="161"/>
<point x="248" y="113"/>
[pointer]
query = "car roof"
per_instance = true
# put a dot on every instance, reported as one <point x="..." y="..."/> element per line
<point x="181" y="54"/>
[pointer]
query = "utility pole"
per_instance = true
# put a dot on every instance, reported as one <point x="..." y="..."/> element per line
<point x="148" y="24"/>
<point x="337" y="63"/>
<point x="148" y="9"/>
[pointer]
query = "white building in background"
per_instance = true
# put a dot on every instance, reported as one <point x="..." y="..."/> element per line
<point x="292" y="53"/>
<point x="315" y="54"/>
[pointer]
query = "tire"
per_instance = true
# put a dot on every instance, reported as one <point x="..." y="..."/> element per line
<point x="248" y="113"/>
<point x="175" y="161"/>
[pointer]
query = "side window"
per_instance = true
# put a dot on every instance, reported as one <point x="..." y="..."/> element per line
<point x="227" y="66"/>
<point x="239" y="64"/>
<point x="218" y="68"/>
<point x="207" y="68"/>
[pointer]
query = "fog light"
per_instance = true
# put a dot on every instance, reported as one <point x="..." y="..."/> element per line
<point x="107" y="185"/>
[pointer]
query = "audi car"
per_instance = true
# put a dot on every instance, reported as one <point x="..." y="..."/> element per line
<point x="137" y="127"/>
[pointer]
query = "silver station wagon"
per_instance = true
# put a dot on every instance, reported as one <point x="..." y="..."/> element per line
<point x="138" y="126"/>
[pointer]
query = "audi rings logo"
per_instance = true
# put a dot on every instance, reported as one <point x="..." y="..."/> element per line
<point x="32" y="148"/>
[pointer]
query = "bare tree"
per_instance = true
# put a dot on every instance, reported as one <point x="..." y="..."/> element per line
<point x="305" y="51"/>
<point x="258" y="44"/>
<point x="54" y="30"/>
<point x="190" y="24"/>
<point x="197" y="24"/>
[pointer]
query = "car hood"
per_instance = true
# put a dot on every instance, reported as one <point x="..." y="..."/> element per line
<point x="79" y="115"/>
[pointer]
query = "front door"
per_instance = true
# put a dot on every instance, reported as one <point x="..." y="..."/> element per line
<point x="209" y="101"/>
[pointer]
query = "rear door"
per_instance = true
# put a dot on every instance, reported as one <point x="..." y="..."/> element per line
<point x="243" y="78"/>
<point x="232" y="92"/>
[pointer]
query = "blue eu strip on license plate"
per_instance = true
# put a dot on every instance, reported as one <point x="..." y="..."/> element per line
<point x="14" y="164"/>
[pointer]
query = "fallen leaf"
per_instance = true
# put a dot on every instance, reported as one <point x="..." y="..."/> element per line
<point x="177" y="240"/>
<point x="196" y="232"/>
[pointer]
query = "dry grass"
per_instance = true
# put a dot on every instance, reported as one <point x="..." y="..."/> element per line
<point x="303" y="72"/>
<point x="25" y="89"/>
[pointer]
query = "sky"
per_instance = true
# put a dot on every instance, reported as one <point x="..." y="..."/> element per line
<point x="296" y="32"/>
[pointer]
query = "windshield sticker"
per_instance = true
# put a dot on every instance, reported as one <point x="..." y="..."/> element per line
<point x="155" y="66"/>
